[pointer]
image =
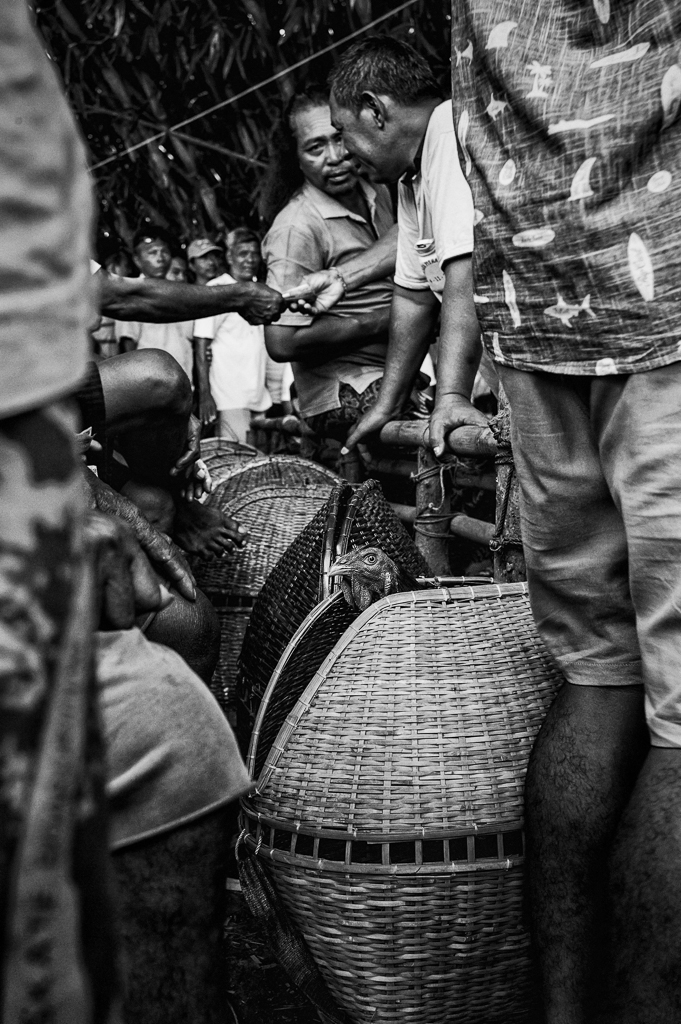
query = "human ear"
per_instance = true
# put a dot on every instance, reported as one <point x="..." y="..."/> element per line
<point x="375" y="107"/>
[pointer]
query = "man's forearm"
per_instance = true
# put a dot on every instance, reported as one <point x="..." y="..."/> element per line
<point x="374" y="263"/>
<point x="413" y="316"/>
<point x="460" y="346"/>
<point x="201" y="346"/>
<point x="149" y="300"/>
<point x="327" y="337"/>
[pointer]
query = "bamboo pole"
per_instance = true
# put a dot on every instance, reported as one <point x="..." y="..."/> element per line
<point x="432" y="512"/>
<point x="405" y="513"/>
<point x="476" y="530"/>
<point x="465" y="441"/>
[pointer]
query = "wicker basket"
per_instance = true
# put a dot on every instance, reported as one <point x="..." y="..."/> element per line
<point x="352" y="518"/>
<point x="389" y="810"/>
<point x="274" y="498"/>
<point x="222" y="456"/>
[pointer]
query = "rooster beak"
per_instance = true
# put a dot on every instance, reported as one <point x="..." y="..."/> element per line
<point x="339" y="568"/>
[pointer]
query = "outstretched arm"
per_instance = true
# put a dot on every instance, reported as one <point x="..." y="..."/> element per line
<point x="149" y="300"/>
<point x="327" y="337"/>
<point x="320" y="291"/>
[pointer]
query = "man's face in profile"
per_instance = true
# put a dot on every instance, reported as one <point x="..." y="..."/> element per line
<point x="378" y="145"/>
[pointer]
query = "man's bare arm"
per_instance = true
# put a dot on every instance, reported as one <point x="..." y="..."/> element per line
<point x="327" y="337"/>
<point x="320" y="291"/>
<point x="206" y="403"/>
<point x="152" y="301"/>
<point x="459" y="356"/>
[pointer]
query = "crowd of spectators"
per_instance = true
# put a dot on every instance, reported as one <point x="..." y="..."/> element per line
<point x="223" y="356"/>
<point x="92" y="570"/>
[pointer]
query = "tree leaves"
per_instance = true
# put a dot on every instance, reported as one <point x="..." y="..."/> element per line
<point x="133" y="68"/>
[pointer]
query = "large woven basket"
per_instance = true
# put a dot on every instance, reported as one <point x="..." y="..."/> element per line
<point x="389" y="811"/>
<point x="351" y="518"/>
<point x="274" y="498"/>
<point x="222" y="456"/>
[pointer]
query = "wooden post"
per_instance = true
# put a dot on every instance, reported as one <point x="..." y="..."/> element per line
<point x="432" y="512"/>
<point x="350" y="467"/>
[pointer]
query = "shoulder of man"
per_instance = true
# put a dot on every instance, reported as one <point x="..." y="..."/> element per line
<point x="441" y="123"/>
<point x="300" y="211"/>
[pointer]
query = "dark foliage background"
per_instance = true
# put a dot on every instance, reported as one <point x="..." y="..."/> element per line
<point x="136" y="67"/>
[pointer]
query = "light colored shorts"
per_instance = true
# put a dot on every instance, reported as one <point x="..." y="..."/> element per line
<point x="170" y="752"/>
<point x="599" y="465"/>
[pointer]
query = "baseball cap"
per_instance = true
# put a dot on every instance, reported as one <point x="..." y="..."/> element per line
<point x="200" y="246"/>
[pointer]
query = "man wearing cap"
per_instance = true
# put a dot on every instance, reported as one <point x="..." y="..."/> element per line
<point x="152" y="256"/>
<point x="204" y="259"/>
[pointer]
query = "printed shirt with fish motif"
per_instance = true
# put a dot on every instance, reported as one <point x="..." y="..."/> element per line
<point x="567" y="117"/>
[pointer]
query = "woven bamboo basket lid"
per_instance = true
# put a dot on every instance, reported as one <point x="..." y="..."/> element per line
<point x="389" y="810"/>
<point x="222" y="456"/>
<point x="351" y="518"/>
<point x="274" y="499"/>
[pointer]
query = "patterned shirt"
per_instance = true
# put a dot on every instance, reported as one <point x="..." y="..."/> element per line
<point x="46" y="297"/>
<point x="567" y="121"/>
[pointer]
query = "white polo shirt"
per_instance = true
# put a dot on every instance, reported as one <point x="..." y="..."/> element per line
<point x="239" y="363"/>
<point x="435" y="203"/>
<point x="176" y="339"/>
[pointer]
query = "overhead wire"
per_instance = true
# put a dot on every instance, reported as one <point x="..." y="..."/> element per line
<point x="252" y="88"/>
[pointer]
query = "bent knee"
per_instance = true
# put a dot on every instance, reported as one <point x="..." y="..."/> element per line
<point x="169" y="387"/>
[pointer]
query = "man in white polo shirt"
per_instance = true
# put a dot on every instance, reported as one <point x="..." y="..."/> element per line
<point x="400" y="99"/>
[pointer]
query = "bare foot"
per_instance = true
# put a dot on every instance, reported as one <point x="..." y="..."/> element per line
<point x="206" y="531"/>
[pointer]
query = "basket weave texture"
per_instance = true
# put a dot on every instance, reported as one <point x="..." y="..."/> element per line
<point x="222" y="456"/>
<point x="307" y="649"/>
<point x="351" y="518"/>
<point x="389" y="809"/>
<point x="274" y="498"/>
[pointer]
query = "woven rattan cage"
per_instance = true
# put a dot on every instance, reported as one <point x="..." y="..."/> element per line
<point x="274" y="498"/>
<point x="389" y="810"/>
<point x="351" y="518"/>
<point x="222" y="456"/>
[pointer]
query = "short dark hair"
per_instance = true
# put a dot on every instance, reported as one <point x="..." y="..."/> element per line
<point x="152" y="233"/>
<point x="385" y="66"/>
<point x="284" y="176"/>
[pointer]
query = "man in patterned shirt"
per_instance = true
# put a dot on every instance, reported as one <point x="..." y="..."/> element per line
<point x="567" y="122"/>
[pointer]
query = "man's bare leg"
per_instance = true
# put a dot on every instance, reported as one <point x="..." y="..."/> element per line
<point x="645" y="890"/>
<point x="581" y="775"/>
<point x="148" y="401"/>
<point x="172" y="898"/>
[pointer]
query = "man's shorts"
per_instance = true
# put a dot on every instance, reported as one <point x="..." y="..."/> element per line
<point x="171" y="755"/>
<point x="599" y="465"/>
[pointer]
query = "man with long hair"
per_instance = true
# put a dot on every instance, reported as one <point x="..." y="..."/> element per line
<point x="325" y="217"/>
